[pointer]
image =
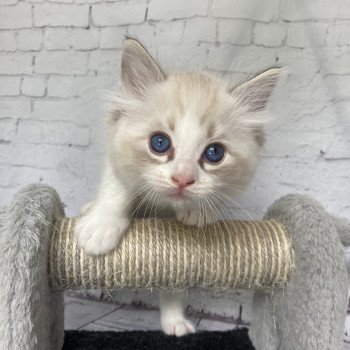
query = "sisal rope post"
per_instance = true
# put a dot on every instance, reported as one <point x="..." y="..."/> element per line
<point x="161" y="253"/>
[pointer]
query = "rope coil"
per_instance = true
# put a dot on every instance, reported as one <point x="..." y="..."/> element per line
<point x="162" y="253"/>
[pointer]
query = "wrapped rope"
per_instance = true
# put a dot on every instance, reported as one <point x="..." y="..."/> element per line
<point x="162" y="253"/>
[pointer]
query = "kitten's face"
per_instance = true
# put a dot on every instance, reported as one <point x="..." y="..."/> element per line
<point x="185" y="139"/>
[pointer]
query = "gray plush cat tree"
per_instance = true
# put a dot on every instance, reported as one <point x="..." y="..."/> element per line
<point x="300" y="289"/>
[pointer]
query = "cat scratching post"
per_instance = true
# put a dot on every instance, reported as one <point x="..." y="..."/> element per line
<point x="300" y="310"/>
<point x="162" y="253"/>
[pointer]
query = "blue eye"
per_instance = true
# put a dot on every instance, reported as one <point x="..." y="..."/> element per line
<point x="214" y="153"/>
<point x="160" y="143"/>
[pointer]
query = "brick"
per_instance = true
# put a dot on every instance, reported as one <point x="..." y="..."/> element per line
<point x="30" y="40"/>
<point x="57" y="38"/>
<point x="203" y="29"/>
<point x="299" y="10"/>
<point x="9" y="2"/>
<point x="160" y="10"/>
<point x="13" y="17"/>
<point x="307" y="34"/>
<point x="242" y="9"/>
<point x="111" y="38"/>
<point x="43" y="156"/>
<point x="88" y="1"/>
<point x="143" y="30"/>
<point x="15" y="108"/>
<point x="61" y="1"/>
<point x="338" y="34"/>
<point x="118" y="14"/>
<point x="335" y="60"/>
<point x="169" y="32"/>
<point x="9" y="86"/>
<point x="64" y="133"/>
<point x="236" y="32"/>
<point x="339" y="85"/>
<point x="85" y="39"/>
<point x="244" y="59"/>
<point x="67" y="110"/>
<point x="57" y="133"/>
<point x="33" y="86"/>
<point x="7" y="130"/>
<point x="16" y="63"/>
<point x="61" y="62"/>
<point x="61" y="15"/>
<point x="105" y="61"/>
<point x="7" y="41"/>
<point x="66" y="86"/>
<point x="272" y="34"/>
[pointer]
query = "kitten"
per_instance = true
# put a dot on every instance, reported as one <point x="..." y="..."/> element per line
<point x="186" y="141"/>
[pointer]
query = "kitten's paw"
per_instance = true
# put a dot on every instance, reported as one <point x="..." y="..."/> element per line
<point x="98" y="235"/>
<point x="194" y="218"/>
<point x="178" y="326"/>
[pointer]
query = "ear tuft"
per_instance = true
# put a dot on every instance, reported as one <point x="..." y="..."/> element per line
<point x="255" y="93"/>
<point x="139" y="70"/>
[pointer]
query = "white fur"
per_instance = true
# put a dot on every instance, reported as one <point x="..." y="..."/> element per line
<point x="194" y="110"/>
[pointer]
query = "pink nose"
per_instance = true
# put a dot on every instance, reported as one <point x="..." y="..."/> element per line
<point x="183" y="181"/>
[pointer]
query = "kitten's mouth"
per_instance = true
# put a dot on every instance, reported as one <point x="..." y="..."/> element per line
<point x="178" y="195"/>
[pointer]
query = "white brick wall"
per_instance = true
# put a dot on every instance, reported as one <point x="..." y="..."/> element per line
<point x="59" y="57"/>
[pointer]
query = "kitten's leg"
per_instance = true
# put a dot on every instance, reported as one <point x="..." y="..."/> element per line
<point x="105" y="220"/>
<point x="172" y="314"/>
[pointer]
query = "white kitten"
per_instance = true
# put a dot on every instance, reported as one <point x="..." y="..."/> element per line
<point x="186" y="141"/>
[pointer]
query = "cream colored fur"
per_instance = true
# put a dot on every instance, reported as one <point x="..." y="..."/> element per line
<point x="194" y="110"/>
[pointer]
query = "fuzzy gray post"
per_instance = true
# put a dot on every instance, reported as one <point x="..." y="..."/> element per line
<point x="310" y="312"/>
<point x="31" y="314"/>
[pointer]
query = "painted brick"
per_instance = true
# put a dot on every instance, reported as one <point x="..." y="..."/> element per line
<point x="105" y="61"/>
<point x="300" y="10"/>
<point x="61" y="15"/>
<point x="271" y="34"/>
<point x="242" y="9"/>
<point x="61" y="62"/>
<point x="236" y="32"/>
<point x="158" y="9"/>
<point x="7" y="130"/>
<point x="30" y="40"/>
<point x="9" y="86"/>
<point x="67" y="110"/>
<point x="85" y="39"/>
<point x="14" y="108"/>
<point x="66" y="86"/>
<point x="57" y="39"/>
<point x="338" y="34"/>
<point x="339" y="85"/>
<point x="307" y="34"/>
<point x="33" y="86"/>
<point x="7" y="41"/>
<point x="57" y="133"/>
<point x="203" y="29"/>
<point x="169" y="32"/>
<point x="118" y="14"/>
<point x="42" y="156"/>
<point x="9" y="2"/>
<point x="143" y="30"/>
<point x="111" y="38"/>
<point x="16" y="63"/>
<point x="13" y="17"/>
<point x="240" y="59"/>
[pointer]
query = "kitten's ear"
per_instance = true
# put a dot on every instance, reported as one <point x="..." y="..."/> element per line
<point x="254" y="94"/>
<point x="138" y="69"/>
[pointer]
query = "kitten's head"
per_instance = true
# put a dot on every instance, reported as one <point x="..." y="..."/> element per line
<point x="185" y="138"/>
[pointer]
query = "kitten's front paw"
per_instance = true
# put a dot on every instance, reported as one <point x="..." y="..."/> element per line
<point x="178" y="326"/>
<point x="98" y="235"/>
<point x="194" y="218"/>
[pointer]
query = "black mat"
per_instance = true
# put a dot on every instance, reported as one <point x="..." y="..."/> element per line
<point x="87" y="340"/>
